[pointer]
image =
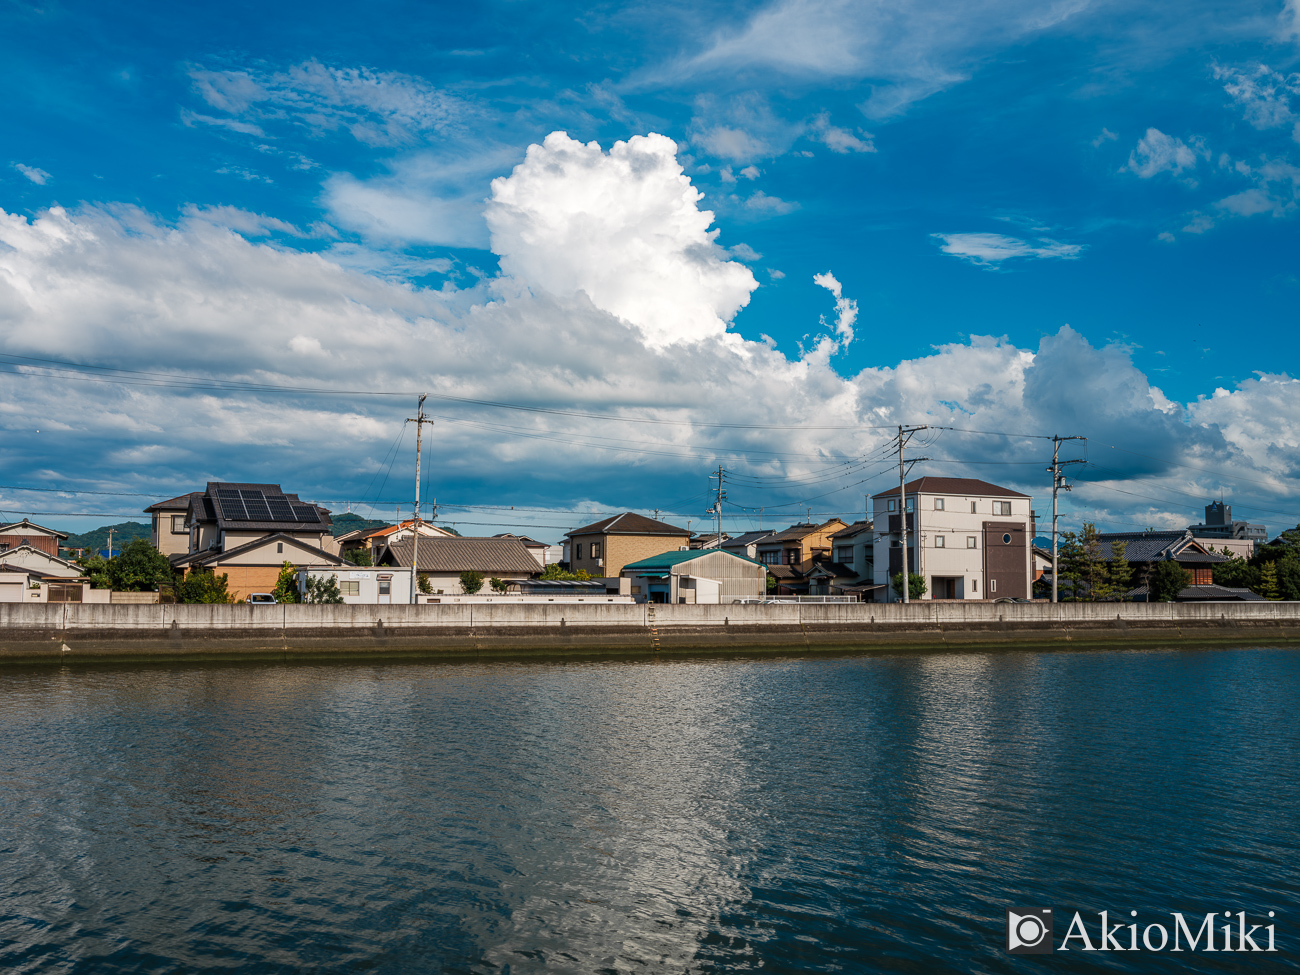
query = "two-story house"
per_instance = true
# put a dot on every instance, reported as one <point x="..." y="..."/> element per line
<point x="169" y="532"/>
<point x="602" y="549"/>
<point x="967" y="538"/>
<point x="792" y="555"/>
<point x="34" y="536"/>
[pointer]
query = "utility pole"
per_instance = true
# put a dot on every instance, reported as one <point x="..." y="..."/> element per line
<point x="904" y="435"/>
<point x="419" y="422"/>
<point x="110" y="542"/>
<point x="717" y="506"/>
<point x="1058" y="484"/>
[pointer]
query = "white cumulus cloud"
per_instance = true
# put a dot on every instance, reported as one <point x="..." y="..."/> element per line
<point x="846" y="309"/>
<point x="623" y="227"/>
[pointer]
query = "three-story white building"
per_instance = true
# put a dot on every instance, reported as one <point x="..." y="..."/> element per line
<point x="968" y="538"/>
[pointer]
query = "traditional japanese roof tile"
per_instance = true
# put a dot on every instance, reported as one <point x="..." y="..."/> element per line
<point x="452" y="555"/>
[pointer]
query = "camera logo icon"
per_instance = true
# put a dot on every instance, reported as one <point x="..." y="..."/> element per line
<point x="1029" y="931"/>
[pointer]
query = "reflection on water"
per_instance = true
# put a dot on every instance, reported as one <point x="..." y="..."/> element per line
<point x="873" y="813"/>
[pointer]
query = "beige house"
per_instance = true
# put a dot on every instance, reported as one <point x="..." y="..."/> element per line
<point x="442" y="560"/>
<point x="255" y="565"/>
<point x="169" y="532"/>
<point x="227" y="515"/>
<point x="604" y="548"/>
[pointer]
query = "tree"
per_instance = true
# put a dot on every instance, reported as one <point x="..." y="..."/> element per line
<point x="1268" y="587"/>
<point x="424" y="585"/>
<point x="1236" y="573"/>
<point x="323" y="590"/>
<point x="1120" y="570"/>
<point x="95" y="568"/>
<point x="916" y="587"/>
<point x="139" y="568"/>
<point x="471" y="581"/>
<point x="286" y="587"/>
<point x="203" y="586"/>
<point x="1166" y="581"/>
<point x="555" y="571"/>
<point x="1069" y="567"/>
<point x="499" y="585"/>
<point x="359" y="556"/>
<point x="1288" y="576"/>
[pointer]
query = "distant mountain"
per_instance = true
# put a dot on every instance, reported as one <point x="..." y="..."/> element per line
<point x="97" y="538"/>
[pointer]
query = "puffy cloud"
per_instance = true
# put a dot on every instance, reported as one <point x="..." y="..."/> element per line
<point x="840" y="140"/>
<point x="37" y="176"/>
<point x="614" y="300"/>
<point x="990" y="250"/>
<point x="622" y="227"/>
<point x="1263" y="94"/>
<point x="1158" y="153"/>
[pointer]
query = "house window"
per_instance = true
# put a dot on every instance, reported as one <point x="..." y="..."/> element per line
<point x="893" y="505"/>
<point x="972" y="508"/>
<point x="970" y="541"/>
<point x="279" y="548"/>
<point x="939" y="541"/>
<point x="577" y="551"/>
<point x="844" y="555"/>
<point x="1006" y="539"/>
<point x="595" y="550"/>
<point x="993" y="585"/>
<point x="350" y="588"/>
<point x="974" y="585"/>
<point x="938" y="504"/>
<point x="178" y="524"/>
<point x="1002" y="507"/>
<point x="769" y="558"/>
<point x="385" y="588"/>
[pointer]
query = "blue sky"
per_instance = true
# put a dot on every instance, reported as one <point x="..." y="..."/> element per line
<point x="299" y="196"/>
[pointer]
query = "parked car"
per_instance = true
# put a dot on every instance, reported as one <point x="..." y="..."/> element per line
<point x="262" y="599"/>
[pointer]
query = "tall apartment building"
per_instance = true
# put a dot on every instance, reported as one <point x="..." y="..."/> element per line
<point x="968" y="538"/>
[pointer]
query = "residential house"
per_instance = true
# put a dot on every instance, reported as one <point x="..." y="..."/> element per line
<point x="695" y="576"/>
<point x="968" y="538"/>
<point x="22" y="585"/>
<point x="30" y="558"/>
<point x="363" y="585"/>
<point x="851" y="566"/>
<point x="603" y="548"/>
<point x="169" y="532"/>
<point x="375" y="540"/>
<point x="248" y="532"/>
<point x="1145" y="550"/>
<point x="791" y="555"/>
<point x="746" y="544"/>
<point x="34" y="536"/>
<point x="709" y="540"/>
<point x="442" y="560"/>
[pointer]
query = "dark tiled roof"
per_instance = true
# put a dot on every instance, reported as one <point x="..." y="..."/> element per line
<point x="853" y="531"/>
<point x="629" y="523"/>
<point x="258" y="507"/>
<point x="966" y="486"/>
<point x="740" y="541"/>
<point x="802" y="530"/>
<point x="18" y="527"/>
<point x="837" y="570"/>
<point x="486" y="555"/>
<point x="1155" y="547"/>
<point x="178" y="503"/>
<point x="1218" y="593"/>
<point x="201" y="560"/>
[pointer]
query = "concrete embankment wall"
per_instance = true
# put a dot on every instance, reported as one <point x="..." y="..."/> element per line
<point x="71" y="631"/>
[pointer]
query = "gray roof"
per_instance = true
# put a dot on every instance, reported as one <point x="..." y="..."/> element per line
<point x="486" y="555"/>
<point x="629" y="523"/>
<point x="1155" y="547"/>
<point x="801" y="530"/>
<point x="179" y="503"/>
<point x="749" y="538"/>
<point x="853" y="531"/>
<point x="17" y="528"/>
<point x="204" y="559"/>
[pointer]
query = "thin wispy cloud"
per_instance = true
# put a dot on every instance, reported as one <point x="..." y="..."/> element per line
<point x="38" y="176"/>
<point x="991" y="250"/>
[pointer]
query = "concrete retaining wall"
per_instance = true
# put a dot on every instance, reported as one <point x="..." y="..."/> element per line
<point x="78" y="631"/>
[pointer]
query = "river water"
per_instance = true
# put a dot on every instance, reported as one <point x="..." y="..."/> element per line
<point x="775" y="814"/>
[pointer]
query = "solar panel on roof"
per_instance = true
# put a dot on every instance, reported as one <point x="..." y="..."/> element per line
<point x="281" y="510"/>
<point x="306" y="513"/>
<point x="231" y="505"/>
<point x="255" y="504"/>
